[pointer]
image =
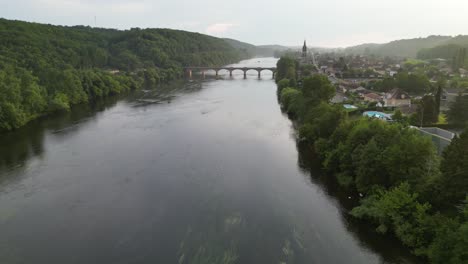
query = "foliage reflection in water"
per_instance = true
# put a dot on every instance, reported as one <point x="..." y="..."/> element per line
<point x="200" y="172"/>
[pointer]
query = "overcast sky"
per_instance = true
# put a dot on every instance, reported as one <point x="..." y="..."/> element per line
<point x="327" y="23"/>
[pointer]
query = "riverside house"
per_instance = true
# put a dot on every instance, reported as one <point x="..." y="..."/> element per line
<point x="397" y="98"/>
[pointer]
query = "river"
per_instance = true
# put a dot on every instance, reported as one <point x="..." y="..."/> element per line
<point x="195" y="172"/>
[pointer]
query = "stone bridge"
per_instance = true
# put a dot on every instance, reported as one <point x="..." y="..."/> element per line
<point x="202" y="70"/>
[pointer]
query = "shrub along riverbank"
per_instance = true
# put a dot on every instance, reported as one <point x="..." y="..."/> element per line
<point x="406" y="188"/>
<point x="45" y="68"/>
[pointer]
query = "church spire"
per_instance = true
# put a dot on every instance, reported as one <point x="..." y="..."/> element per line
<point x="304" y="49"/>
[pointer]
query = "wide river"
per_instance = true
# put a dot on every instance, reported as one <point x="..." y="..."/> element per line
<point x="196" y="172"/>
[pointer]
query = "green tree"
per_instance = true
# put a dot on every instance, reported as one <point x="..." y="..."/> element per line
<point x="453" y="184"/>
<point x="373" y="152"/>
<point x="458" y="112"/>
<point x="370" y="169"/>
<point x="318" y="88"/>
<point x="451" y="241"/>
<point x="398" y="117"/>
<point x="46" y="68"/>
<point x="438" y="97"/>
<point x="60" y="102"/>
<point x="427" y="110"/>
<point x="282" y="84"/>
<point x="413" y="83"/>
<point x="291" y="100"/>
<point x="286" y="68"/>
<point x="399" y="210"/>
<point x="321" y="121"/>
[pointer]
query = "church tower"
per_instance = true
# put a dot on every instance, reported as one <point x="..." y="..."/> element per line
<point x="304" y="50"/>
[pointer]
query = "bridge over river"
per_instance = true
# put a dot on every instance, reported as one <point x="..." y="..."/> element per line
<point x="203" y="70"/>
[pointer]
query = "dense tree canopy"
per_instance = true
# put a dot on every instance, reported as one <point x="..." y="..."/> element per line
<point x="47" y="68"/>
<point x="368" y="153"/>
<point x="286" y="68"/>
<point x="406" y="188"/>
<point x="412" y="83"/>
<point x="456" y="54"/>
<point x="439" y="52"/>
<point x="318" y="88"/>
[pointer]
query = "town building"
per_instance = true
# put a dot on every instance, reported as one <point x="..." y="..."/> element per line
<point x="372" y="97"/>
<point x="304" y="56"/>
<point x="396" y="98"/>
<point x="440" y="137"/>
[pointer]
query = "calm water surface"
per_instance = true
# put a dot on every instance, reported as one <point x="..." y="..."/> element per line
<point x="198" y="172"/>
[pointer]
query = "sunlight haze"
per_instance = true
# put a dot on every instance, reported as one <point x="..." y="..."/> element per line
<point x="333" y="23"/>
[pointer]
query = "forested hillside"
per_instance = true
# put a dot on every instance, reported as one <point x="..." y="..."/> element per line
<point x="400" y="48"/>
<point x="443" y="51"/>
<point x="45" y="68"/>
<point x="252" y="50"/>
<point x="454" y="53"/>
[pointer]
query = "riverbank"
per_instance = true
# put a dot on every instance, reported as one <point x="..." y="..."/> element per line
<point x="176" y="174"/>
<point x="89" y="86"/>
<point x="402" y="188"/>
<point x="46" y="68"/>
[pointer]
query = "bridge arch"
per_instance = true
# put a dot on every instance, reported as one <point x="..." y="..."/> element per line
<point x="217" y="70"/>
<point x="253" y="69"/>
<point x="232" y="70"/>
<point x="223" y="70"/>
<point x="267" y="69"/>
<point x="272" y="70"/>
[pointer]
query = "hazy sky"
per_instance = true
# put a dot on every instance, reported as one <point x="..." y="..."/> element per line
<point x="329" y="23"/>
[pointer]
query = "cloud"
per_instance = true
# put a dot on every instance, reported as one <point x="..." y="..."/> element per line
<point x="218" y="28"/>
<point x="118" y="7"/>
<point x="60" y="4"/>
<point x="353" y="21"/>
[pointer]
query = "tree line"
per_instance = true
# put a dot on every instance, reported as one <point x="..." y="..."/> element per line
<point x="456" y="54"/>
<point x="412" y="83"/>
<point x="45" y="68"/>
<point x="406" y="188"/>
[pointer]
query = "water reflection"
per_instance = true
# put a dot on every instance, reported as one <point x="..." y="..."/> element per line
<point x="19" y="147"/>
<point x="25" y="143"/>
<point x="198" y="172"/>
<point x="166" y="93"/>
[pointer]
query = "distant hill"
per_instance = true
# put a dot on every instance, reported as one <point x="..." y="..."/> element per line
<point x="404" y="47"/>
<point x="439" y="52"/>
<point x="269" y="50"/>
<point x="239" y="44"/>
<point x="252" y="50"/>
<point x="447" y="50"/>
<point x="461" y="40"/>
